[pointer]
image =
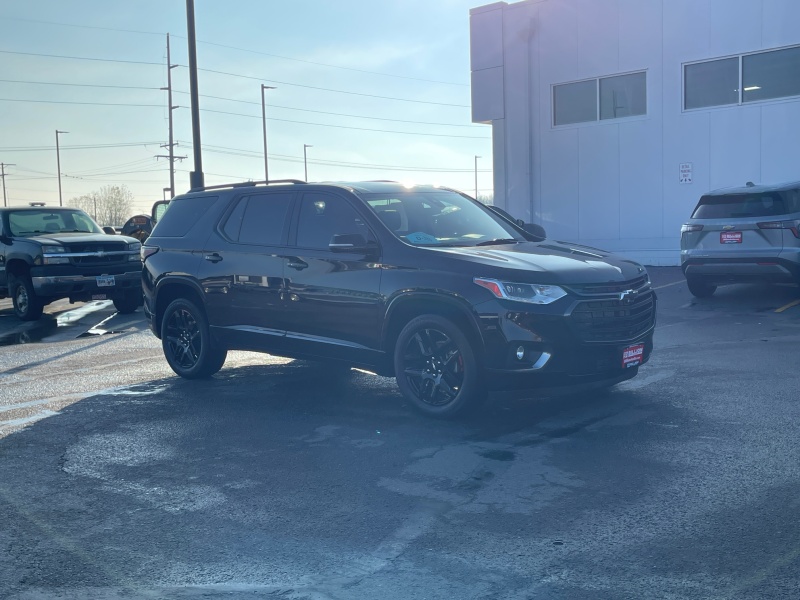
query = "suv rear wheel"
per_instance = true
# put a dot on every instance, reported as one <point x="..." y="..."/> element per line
<point x="27" y="306"/>
<point x="436" y="368"/>
<point x="186" y="341"/>
<point x="700" y="289"/>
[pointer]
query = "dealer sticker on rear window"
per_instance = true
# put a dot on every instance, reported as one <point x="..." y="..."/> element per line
<point x="632" y="356"/>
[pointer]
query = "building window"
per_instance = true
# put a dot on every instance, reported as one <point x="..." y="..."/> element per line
<point x="575" y="102"/>
<point x="623" y="96"/>
<point x="602" y="98"/>
<point x="712" y="83"/>
<point x="769" y="75"/>
<point x="739" y="79"/>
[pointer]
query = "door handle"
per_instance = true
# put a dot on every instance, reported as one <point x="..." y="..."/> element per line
<point x="214" y="257"/>
<point x="297" y="264"/>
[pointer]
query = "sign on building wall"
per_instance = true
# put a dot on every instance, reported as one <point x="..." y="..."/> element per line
<point x="685" y="173"/>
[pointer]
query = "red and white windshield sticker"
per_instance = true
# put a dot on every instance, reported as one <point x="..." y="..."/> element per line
<point x="632" y="356"/>
<point x="730" y="237"/>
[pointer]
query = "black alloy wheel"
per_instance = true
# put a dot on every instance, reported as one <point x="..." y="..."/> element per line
<point x="436" y="368"/>
<point x="27" y="306"/>
<point x="700" y="289"/>
<point x="187" y="343"/>
<point x="128" y="303"/>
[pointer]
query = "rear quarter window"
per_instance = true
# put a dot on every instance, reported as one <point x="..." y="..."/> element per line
<point x="740" y="206"/>
<point x="182" y="215"/>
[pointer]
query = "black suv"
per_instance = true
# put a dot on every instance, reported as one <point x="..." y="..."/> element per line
<point x="421" y="283"/>
<point x="51" y="253"/>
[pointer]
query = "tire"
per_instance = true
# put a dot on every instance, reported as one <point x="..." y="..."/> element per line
<point x="435" y="367"/>
<point x="187" y="343"/>
<point x="700" y="289"/>
<point x="128" y="303"/>
<point x="27" y="306"/>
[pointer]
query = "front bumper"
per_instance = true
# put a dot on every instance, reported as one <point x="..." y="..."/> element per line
<point x="78" y="287"/>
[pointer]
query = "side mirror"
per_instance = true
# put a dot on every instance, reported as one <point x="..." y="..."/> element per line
<point x="535" y="229"/>
<point x="351" y="242"/>
<point x="158" y="210"/>
<point x="110" y="230"/>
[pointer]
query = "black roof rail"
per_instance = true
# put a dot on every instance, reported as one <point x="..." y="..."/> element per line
<point x="245" y="184"/>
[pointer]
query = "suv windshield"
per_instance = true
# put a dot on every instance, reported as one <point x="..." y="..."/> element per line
<point x="36" y="222"/>
<point x="441" y="218"/>
<point x="733" y="206"/>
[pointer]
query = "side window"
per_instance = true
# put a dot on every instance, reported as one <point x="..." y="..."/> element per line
<point x="322" y="216"/>
<point x="233" y="224"/>
<point x="182" y="215"/>
<point x="263" y="218"/>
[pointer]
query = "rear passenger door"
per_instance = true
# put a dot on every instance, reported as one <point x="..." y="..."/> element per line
<point x="332" y="298"/>
<point x="242" y="272"/>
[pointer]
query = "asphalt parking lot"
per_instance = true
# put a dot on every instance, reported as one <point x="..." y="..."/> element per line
<point x="274" y="479"/>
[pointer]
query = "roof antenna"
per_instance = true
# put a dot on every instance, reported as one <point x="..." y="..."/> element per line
<point x="750" y="184"/>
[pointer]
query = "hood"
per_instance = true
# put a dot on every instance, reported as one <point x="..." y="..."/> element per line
<point x="545" y="262"/>
<point x="66" y="238"/>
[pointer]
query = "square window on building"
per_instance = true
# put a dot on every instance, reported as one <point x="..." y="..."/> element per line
<point x="623" y="96"/>
<point x="769" y="75"/>
<point x="712" y="83"/>
<point x="575" y="102"/>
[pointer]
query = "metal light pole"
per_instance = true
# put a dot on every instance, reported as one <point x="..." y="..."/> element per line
<point x="305" y="162"/>
<point x="476" y="176"/>
<point x="264" y="127"/>
<point x="58" y="166"/>
<point x="196" y="177"/>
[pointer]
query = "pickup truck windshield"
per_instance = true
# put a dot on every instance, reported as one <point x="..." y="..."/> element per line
<point x="26" y="223"/>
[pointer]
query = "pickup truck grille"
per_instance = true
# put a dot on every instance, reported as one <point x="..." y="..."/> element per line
<point x="615" y="319"/>
<point x="97" y="254"/>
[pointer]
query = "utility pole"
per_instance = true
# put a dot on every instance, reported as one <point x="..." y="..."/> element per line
<point x="58" y="166"/>
<point x="196" y="177"/>
<point x="476" y="176"/>
<point x="305" y="162"/>
<point x="264" y="127"/>
<point x="3" y="177"/>
<point x="171" y="145"/>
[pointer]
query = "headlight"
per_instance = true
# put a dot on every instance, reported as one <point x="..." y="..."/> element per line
<point x="135" y="247"/>
<point x="49" y="255"/>
<point x="522" y="292"/>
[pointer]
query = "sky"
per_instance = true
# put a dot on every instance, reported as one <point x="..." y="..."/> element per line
<point x="378" y="89"/>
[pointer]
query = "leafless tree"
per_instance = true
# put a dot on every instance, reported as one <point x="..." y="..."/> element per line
<point x="110" y="205"/>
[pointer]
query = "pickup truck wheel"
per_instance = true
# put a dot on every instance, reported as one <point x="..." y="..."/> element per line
<point x="187" y="343"/>
<point x="27" y="306"/>
<point x="436" y="368"/>
<point x="700" y="289"/>
<point x="127" y="304"/>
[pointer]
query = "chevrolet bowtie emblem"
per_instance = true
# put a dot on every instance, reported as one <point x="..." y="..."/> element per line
<point x="628" y="296"/>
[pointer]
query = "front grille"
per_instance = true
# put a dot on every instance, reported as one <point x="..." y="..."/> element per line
<point x="593" y="289"/>
<point x="614" y="320"/>
<point x="97" y="254"/>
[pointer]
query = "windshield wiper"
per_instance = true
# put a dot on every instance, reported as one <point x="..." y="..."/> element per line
<point x="497" y="241"/>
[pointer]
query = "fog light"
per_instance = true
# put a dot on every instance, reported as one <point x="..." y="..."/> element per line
<point x="520" y="353"/>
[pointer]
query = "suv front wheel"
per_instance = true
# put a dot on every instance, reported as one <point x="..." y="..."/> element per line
<point x="436" y="368"/>
<point x="187" y="343"/>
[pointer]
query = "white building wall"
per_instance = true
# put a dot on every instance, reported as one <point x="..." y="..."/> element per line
<point x="614" y="184"/>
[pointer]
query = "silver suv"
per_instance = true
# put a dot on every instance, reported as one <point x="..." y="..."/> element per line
<point x="740" y="235"/>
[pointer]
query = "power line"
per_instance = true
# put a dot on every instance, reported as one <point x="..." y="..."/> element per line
<point x="311" y="87"/>
<point x="472" y="137"/>
<point x="25" y="100"/>
<point x="311" y="62"/>
<point x="111" y="60"/>
<point x="92" y="85"/>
